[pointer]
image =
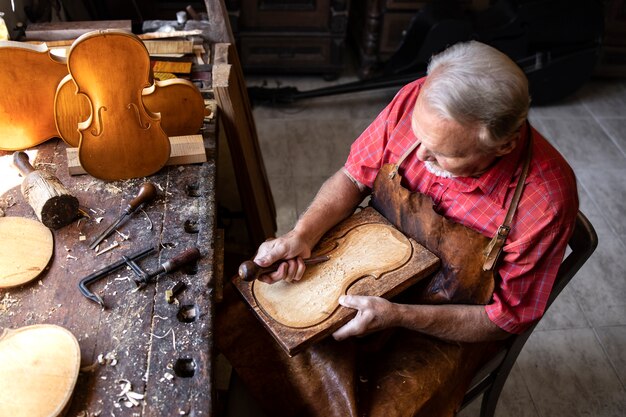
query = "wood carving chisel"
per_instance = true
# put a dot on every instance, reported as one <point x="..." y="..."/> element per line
<point x="147" y="192"/>
<point x="249" y="270"/>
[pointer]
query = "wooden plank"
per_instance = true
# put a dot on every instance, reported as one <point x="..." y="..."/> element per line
<point x="183" y="150"/>
<point x="58" y="31"/>
<point x="236" y="115"/>
<point x="171" y="66"/>
<point x="159" y="47"/>
<point x="368" y="257"/>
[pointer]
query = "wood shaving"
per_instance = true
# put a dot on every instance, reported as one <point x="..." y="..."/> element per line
<point x="7" y="302"/>
<point x="122" y="235"/>
<point x="127" y="396"/>
<point x="108" y="248"/>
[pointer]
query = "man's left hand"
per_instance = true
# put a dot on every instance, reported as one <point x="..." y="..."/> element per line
<point x="374" y="313"/>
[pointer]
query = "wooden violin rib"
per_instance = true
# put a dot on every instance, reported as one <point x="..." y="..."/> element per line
<point x="366" y="250"/>
<point x="178" y="101"/>
<point x="29" y="76"/>
<point x="121" y="138"/>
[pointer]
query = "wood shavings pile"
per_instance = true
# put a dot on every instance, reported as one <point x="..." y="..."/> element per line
<point x="7" y="302"/>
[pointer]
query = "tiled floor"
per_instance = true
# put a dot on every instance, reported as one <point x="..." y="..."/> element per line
<point x="575" y="362"/>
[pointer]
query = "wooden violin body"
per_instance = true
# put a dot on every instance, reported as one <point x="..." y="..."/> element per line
<point x="178" y="101"/>
<point x="366" y="250"/>
<point x="39" y="367"/>
<point x="121" y="138"/>
<point x="29" y="76"/>
<point x="368" y="256"/>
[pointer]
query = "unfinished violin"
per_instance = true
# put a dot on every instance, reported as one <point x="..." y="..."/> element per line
<point x="368" y="256"/>
<point x="367" y="250"/>
<point x="178" y="101"/>
<point x="29" y="76"/>
<point x="121" y="138"/>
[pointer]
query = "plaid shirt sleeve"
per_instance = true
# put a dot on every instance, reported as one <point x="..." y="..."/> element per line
<point x="543" y="224"/>
<point x="527" y="274"/>
<point x="381" y="142"/>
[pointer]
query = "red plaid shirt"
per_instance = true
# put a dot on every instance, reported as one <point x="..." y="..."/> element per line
<point x="542" y="224"/>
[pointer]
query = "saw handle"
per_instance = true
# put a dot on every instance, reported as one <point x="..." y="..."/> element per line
<point x="21" y="162"/>
<point x="146" y="193"/>
<point x="249" y="270"/>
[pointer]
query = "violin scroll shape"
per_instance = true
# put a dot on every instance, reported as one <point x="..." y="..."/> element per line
<point x="121" y="138"/>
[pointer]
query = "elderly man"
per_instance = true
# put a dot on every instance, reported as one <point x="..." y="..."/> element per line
<point x="452" y="149"/>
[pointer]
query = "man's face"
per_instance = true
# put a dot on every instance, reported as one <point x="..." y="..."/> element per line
<point x="446" y="145"/>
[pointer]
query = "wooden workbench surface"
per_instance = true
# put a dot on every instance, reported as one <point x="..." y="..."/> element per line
<point x="164" y="350"/>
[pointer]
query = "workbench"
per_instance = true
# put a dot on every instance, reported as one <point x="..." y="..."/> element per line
<point x="165" y="350"/>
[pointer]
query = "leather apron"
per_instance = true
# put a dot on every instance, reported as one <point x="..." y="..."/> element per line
<point x="390" y="373"/>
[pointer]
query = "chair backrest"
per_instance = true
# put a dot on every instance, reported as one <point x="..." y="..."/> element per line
<point x="491" y="377"/>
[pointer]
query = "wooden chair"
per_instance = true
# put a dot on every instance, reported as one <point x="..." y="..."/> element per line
<point x="490" y="379"/>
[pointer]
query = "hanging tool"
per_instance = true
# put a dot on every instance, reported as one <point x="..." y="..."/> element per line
<point x="53" y="204"/>
<point x="147" y="192"/>
<point x="188" y="256"/>
<point x="249" y="271"/>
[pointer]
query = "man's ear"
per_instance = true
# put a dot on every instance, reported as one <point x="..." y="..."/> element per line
<point x="507" y="147"/>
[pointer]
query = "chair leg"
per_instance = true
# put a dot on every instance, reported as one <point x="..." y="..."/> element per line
<point x="490" y="399"/>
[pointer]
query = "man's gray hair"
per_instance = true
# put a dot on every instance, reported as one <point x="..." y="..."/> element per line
<point x="473" y="83"/>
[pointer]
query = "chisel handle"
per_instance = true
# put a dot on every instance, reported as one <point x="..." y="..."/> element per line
<point x="188" y="256"/>
<point x="146" y="193"/>
<point x="21" y="162"/>
<point x="249" y="271"/>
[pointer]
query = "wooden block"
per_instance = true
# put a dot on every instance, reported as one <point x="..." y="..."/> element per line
<point x="175" y="67"/>
<point x="56" y="31"/>
<point x="368" y="256"/>
<point x="158" y="47"/>
<point x="184" y="150"/>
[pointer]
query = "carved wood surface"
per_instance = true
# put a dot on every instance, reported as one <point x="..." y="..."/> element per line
<point x="366" y="250"/>
<point x="29" y="75"/>
<point x="38" y="370"/>
<point x="26" y="247"/>
<point x="121" y="139"/>
<point x="304" y="321"/>
<point x="178" y="101"/>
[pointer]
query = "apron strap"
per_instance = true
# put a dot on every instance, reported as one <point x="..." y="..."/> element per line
<point x="493" y="250"/>
<point x="396" y="166"/>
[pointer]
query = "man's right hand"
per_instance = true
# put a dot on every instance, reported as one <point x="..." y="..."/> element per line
<point x="289" y="248"/>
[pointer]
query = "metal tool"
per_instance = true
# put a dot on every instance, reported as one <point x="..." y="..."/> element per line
<point x="249" y="271"/>
<point x="147" y="192"/>
<point x="188" y="256"/>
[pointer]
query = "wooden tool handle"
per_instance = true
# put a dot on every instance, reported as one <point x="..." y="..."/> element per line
<point x="147" y="192"/>
<point x="249" y="271"/>
<point x="188" y="256"/>
<point x="21" y="162"/>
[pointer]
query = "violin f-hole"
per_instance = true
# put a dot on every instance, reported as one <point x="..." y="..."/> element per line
<point x="138" y="114"/>
<point x="97" y="130"/>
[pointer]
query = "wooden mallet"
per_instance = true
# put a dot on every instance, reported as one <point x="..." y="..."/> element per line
<point x="54" y="206"/>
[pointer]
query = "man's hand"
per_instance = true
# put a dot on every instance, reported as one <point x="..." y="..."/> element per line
<point x="292" y="249"/>
<point x="374" y="314"/>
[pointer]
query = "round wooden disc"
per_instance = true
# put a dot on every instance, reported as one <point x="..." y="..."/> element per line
<point x="26" y="247"/>
<point x="38" y="370"/>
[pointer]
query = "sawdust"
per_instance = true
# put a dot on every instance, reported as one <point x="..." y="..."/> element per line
<point x="7" y="302"/>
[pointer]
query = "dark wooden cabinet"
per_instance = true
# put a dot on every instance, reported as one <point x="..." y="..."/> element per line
<point x="290" y="36"/>
<point x="378" y="28"/>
